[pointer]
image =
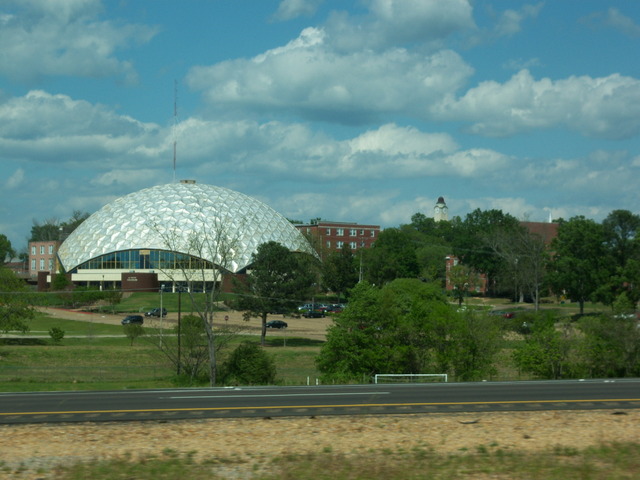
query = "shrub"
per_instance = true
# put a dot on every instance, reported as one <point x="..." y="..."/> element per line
<point x="248" y="364"/>
<point x="56" y="334"/>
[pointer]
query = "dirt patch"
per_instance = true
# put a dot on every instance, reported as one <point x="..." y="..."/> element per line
<point x="252" y="443"/>
<point x="312" y="328"/>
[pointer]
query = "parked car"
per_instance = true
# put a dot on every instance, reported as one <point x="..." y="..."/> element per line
<point x="277" y="324"/>
<point x="155" y="312"/>
<point x="314" y="314"/>
<point x="133" y="320"/>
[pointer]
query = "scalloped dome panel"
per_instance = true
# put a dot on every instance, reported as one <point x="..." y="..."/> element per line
<point x="169" y="217"/>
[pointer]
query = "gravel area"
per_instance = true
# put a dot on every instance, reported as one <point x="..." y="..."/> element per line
<point x="27" y="451"/>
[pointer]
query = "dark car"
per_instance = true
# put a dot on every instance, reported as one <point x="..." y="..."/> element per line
<point x="133" y="320"/>
<point x="156" y="312"/>
<point x="314" y="313"/>
<point x="277" y="324"/>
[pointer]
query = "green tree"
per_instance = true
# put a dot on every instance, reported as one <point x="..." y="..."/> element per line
<point x="132" y="331"/>
<point x="53" y="229"/>
<point x="547" y="351"/>
<point x="463" y="280"/>
<point x="392" y="256"/>
<point x="471" y="241"/>
<point x="276" y="281"/>
<point x="611" y="347"/>
<point x="15" y="305"/>
<point x="474" y="341"/>
<point x="622" y="241"/>
<point x="340" y="271"/>
<point x="406" y="327"/>
<point x="6" y="252"/>
<point x="580" y="263"/>
<point x="56" y="334"/>
<point x="249" y="364"/>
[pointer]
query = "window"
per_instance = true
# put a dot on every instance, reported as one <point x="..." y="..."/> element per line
<point x="328" y="231"/>
<point x="33" y="263"/>
<point x="33" y="250"/>
<point x="373" y="233"/>
<point x="50" y="249"/>
<point x="339" y="245"/>
<point x="353" y="232"/>
<point x="51" y="264"/>
<point x="41" y="249"/>
<point x="340" y="232"/>
<point x="362" y="232"/>
<point x="328" y="244"/>
<point x="42" y="264"/>
<point x="353" y="245"/>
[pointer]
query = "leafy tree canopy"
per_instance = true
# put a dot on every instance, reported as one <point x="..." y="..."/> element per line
<point x="277" y="280"/>
<point x="15" y="309"/>
<point x="406" y="327"/>
<point x="6" y="252"/>
<point x="392" y="256"/>
<point x="52" y="229"/>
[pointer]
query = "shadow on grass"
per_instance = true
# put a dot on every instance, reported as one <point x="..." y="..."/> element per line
<point x="23" y="341"/>
<point x="293" y="342"/>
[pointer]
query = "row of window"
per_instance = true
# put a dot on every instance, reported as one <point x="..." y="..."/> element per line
<point x="146" y="260"/>
<point x="42" y="249"/>
<point x="339" y="245"/>
<point x="42" y="264"/>
<point x="353" y="232"/>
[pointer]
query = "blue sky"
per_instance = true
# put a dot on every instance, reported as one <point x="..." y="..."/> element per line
<point x="363" y="111"/>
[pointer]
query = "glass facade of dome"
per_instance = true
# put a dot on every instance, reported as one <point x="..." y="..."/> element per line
<point x="173" y="225"/>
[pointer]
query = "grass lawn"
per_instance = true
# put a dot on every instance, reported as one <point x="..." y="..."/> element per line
<point x="96" y="356"/>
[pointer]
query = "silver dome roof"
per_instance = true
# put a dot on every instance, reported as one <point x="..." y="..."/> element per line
<point x="176" y="216"/>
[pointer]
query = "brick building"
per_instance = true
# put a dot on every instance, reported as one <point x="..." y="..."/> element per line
<point x="326" y="236"/>
<point x="42" y="257"/>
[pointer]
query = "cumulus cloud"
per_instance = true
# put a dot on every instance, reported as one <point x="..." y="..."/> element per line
<point x="63" y="37"/>
<point x="391" y="23"/>
<point x="310" y="80"/>
<point x="613" y="18"/>
<point x="510" y="21"/>
<point x="290" y="9"/>
<point x="57" y="128"/>
<point x="606" y="107"/>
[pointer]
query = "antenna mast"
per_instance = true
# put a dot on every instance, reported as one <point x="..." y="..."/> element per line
<point x="175" y="125"/>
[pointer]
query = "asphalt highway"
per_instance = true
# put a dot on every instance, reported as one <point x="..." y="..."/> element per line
<point x="196" y="403"/>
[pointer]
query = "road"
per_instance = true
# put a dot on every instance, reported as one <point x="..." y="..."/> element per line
<point x="168" y="404"/>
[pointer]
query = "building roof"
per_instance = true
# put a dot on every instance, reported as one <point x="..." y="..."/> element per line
<point x="169" y="217"/>
<point x="546" y="230"/>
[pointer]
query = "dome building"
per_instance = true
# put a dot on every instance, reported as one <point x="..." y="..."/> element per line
<point x="177" y="234"/>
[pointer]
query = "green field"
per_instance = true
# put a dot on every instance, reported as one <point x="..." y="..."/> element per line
<point x="96" y="356"/>
<point x="606" y="462"/>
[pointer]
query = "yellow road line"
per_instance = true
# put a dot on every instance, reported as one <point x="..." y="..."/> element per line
<point x="289" y="407"/>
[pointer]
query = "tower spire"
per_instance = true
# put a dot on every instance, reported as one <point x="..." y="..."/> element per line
<point x="175" y="126"/>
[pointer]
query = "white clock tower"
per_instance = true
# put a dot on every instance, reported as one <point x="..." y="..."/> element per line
<point x="440" y="211"/>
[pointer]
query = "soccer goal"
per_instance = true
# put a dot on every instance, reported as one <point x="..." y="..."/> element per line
<point x="408" y="377"/>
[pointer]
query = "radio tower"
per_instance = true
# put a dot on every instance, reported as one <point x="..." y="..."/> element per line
<point x="175" y="125"/>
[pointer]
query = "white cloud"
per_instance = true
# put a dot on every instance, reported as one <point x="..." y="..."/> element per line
<point x="606" y="107"/>
<point x="510" y="21"/>
<point x="64" y="38"/>
<point x="58" y="129"/>
<point x="391" y="23"/>
<point x="15" y="180"/>
<point x="311" y="80"/>
<point x="290" y="9"/>
<point x="613" y="18"/>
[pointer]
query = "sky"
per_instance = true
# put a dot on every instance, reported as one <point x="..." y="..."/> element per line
<point x="360" y="111"/>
